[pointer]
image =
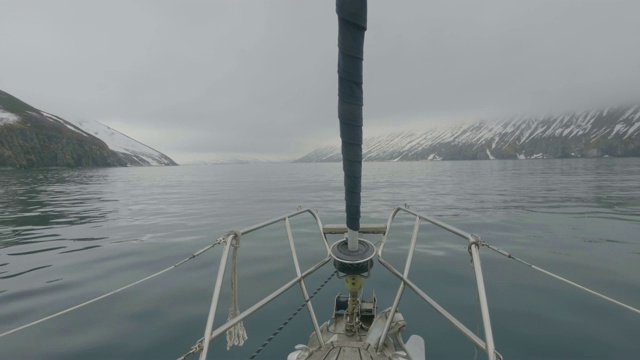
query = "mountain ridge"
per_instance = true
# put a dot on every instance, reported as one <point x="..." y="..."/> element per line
<point x="30" y="138"/>
<point x="614" y="131"/>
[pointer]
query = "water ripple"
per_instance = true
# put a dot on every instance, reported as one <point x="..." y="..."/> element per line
<point x="80" y="249"/>
<point x="36" y="251"/>
<point x="25" y="272"/>
<point x="95" y="230"/>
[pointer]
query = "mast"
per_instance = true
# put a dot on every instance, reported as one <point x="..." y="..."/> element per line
<point x="352" y="23"/>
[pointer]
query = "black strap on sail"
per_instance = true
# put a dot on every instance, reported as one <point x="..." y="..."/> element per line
<point x="352" y="22"/>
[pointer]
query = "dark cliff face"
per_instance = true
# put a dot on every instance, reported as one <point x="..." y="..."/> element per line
<point x="33" y="141"/>
<point x="31" y="138"/>
<point x="28" y="144"/>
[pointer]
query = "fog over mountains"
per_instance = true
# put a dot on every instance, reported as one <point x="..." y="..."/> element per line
<point x="607" y="132"/>
<point x="30" y="137"/>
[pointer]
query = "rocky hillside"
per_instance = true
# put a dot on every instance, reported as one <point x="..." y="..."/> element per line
<point x="608" y="132"/>
<point x="32" y="138"/>
<point x="133" y="152"/>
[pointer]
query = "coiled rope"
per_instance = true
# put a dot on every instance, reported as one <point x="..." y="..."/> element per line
<point x="192" y="256"/>
<point x="198" y="345"/>
<point x="558" y="277"/>
<point x="237" y="334"/>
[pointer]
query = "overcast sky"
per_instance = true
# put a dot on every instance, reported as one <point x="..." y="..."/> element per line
<point x="199" y="79"/>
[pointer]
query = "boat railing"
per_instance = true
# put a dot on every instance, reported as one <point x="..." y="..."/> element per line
<point x="232" y="240"/>
<point x="486" y="345"/>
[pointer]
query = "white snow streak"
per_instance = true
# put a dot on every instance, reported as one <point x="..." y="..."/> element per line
<point x="632" y="129"/>
<point x="63" y="122"/>
<point x="7" y="117"/>
<point x="618" y="127"/>
<point x="628" y="113"/>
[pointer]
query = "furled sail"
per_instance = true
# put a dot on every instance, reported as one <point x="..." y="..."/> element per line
<point x="352" y="22"/>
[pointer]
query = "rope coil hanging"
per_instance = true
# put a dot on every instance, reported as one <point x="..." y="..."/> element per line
<point x="237" y="335"/>
<point x="198" y="345"/>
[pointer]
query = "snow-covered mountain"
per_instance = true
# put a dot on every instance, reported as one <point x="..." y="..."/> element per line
<point x="132" y="151"/>
<point x="30" y="137"/>
<point x="609" y="132"/>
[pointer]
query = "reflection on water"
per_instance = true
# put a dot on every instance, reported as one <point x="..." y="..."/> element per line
<point x="37" y="202"/>
<point x="24" y="272"/>
<point x="82" y="248"/>
<point x="36" y="206"/>
<point x="68" y="235"/>
<point x="595" y="186"/>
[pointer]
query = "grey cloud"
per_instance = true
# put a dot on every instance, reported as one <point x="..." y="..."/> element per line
<point x="260" y="76"/>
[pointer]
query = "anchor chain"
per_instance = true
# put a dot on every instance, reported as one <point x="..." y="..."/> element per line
<point x="286" y="322"/>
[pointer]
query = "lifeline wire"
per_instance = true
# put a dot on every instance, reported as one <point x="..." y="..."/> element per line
<point x="504" y="253"/>
<point x="197" y="253"/>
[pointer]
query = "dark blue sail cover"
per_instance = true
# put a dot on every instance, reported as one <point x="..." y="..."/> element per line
<point x="352" y="23"/>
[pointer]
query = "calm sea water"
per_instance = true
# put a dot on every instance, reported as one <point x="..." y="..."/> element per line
<point x="69" y="235"/>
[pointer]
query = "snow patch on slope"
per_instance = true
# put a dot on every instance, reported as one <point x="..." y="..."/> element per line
<point x="633" y="129"/>
<point x="120" y="142"/>
<point x="7" y="117"/>
<point x="115" y="140"/>
<point x="490" y="156"/>
<point x="63" y="122"/>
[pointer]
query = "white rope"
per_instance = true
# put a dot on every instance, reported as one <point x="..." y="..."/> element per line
<point x="199" y="252"/>
<point x="602" y="296"/>
<point x="237" y="334"/>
